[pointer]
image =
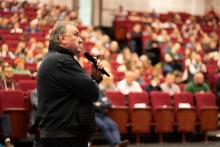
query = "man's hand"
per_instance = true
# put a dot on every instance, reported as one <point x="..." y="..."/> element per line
<point x="95" y="73"/>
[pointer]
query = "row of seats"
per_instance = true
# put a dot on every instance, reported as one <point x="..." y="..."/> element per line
<point x="142" y="111"/>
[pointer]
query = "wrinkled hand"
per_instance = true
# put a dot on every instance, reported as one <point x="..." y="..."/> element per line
<point x="95" y="73"/>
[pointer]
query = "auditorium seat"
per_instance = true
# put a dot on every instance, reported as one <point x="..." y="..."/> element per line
<point x="31" y="66"/>
<point x="18" y="77"/>
<point x="163" y="113"/>
<point x="119" y="110"/>
<point x="207" y="111"/>
<point x="13" y="104"/>
<point x="27" y="85"/>
<point x="118" y="76"/>
<point x="185" y="113"/>
<point x="181" y="86"/>
<point x="140" y="113"/>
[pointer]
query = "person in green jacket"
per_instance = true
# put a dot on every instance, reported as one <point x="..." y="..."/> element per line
<point x="197" y="84"/>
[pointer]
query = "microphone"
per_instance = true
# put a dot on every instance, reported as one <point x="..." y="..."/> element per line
<point x="90" y="58"/>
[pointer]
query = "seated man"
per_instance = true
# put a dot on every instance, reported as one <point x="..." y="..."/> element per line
<point x="197" y="84"/>
<point x="106" y="124"/>
<point x="128" y="84"/>
<point x="7" y="81"/>
<point x="169" y="86"/>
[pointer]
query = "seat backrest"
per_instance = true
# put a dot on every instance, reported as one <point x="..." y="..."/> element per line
<point x="18" y="77"/>
<point x="138" y="97"/>
<point x="31" y="66"/>
<point x="11" y="99"/>
<point x="26" y="85"/>
<point x="181" y="86"/>
<point x="183" y="97"/>
<point x="116" y="97"/>
<point x="204" y="100"/>
<point x="159" y="98"/>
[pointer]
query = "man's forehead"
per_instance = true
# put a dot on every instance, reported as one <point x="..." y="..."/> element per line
<point x="8" y="69"/>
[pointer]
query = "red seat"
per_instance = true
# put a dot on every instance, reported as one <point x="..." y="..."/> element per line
<point x="11" y="99"/>
<point x="183" y="97"/>
<point x="208" y="111"/>
<point x="119" y="111"/>
<point x="138" y="97"/>
<point x="185" y="115"/>
<point x="181" y="86"/>
<point x="18" y="77"/>
<point x="31" y="66"/>
<point x="140" y="116"/>
<point x="13" y="104"/>
<point x="9" y="60"/>
<point x="27" y="85"/>
<point x="89" y="45"/>
<point x="116" y="97"/>
<point x="163" y="113"/>
<point x="118" y="76"/>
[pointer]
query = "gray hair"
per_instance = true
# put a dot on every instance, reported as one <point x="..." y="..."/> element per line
<point x="59" y="28"/>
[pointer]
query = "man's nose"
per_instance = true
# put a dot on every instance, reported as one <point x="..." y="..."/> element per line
<point x="80" y="40"/>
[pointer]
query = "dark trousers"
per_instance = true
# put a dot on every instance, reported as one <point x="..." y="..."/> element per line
<point x="63" y="142"/>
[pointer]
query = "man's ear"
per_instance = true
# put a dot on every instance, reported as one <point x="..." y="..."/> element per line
<point x="61" y="37"/>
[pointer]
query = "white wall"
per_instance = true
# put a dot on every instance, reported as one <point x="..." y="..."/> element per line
<point x="216" y="4"/>
<point x="96" y="13"/>
<point x="85" y="11"/>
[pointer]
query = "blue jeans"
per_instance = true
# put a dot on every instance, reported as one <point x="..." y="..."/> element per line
<point x="5" y="124"/>
<point x="109" y="129"/>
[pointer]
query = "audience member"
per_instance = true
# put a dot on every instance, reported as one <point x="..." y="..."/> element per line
<point x="152" y="50"/>
<point x="197" y="84"/>
<point x="136" y="39"/>
<point x="20" y="67"/>
<point x="196" y="66"/>
<point x="121" y="14"/>
<point x="128" y="84"/>
<point x="5" y="52"/>
<point x="7" y="81"/>
<point x="33" y="28"/>
<point x="108" y="83"/>
<point x="169" y="86"/>
<point x="16" y="28"/>
<point x="154" y="85"/>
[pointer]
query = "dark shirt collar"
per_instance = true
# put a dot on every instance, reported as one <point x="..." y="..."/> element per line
<point x="60" y="50"/>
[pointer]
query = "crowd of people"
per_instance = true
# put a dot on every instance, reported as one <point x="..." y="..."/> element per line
<point x="176" y="52"/>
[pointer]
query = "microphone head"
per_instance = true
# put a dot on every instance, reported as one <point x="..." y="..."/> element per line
<point x="89" y="57"/>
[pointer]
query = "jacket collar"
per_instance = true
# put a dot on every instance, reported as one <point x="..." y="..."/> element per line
<point x="60" y="49"/>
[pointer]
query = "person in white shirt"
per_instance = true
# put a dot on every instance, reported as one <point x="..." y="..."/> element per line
<point x="169" y="86"/>
<point x="128" y="84"/>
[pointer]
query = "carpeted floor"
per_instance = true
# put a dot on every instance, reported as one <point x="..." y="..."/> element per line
<point x="201" y="144"/>
<point x="170" y="140"/>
